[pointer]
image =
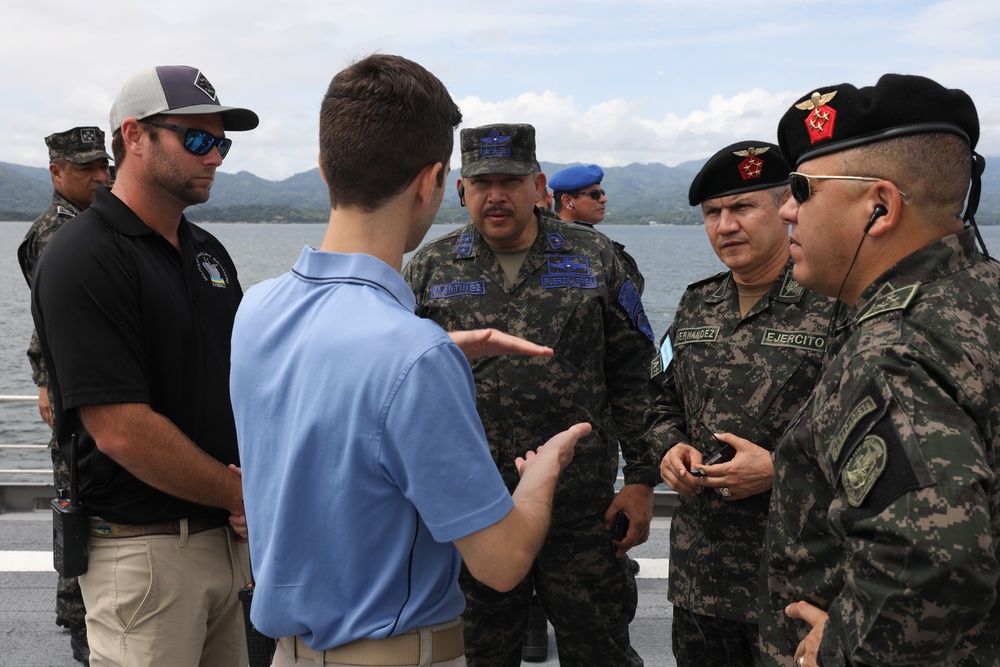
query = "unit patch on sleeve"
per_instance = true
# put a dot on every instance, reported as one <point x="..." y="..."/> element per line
<point x="630" y="299"/>
<point x="568" y="271"/>
<point x="662" y="359"/>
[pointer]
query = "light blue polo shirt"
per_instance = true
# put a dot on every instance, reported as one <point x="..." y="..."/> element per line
<point x="363" y="455"/>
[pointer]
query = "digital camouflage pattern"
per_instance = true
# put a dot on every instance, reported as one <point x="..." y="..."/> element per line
<point x="504" y="148"/>
<point x="886" y="500"/>
<point x="744" y="376"/>
<point x="571" y="294"/>
<point x="69" y="599"/>
<point x="80" y="145"/>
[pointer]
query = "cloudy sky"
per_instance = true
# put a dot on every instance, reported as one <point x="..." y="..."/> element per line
<point x="608" y="82"/>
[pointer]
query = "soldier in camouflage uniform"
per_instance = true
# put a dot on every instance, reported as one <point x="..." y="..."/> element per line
<point x="573" y="190"/>
<point x="78" y="163"/>
<point x="560" y="285"/>
<point x="740" y="358"/>
<point x="883" y="541"/>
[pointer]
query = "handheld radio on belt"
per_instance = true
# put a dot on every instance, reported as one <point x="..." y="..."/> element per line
<point x="260" y="647"/>
<point x="69" y="525"/>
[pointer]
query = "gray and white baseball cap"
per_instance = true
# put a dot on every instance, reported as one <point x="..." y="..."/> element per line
<point x="178" y="90"/>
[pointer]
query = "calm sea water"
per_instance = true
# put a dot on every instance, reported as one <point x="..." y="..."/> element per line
<point x="669" y="257"/>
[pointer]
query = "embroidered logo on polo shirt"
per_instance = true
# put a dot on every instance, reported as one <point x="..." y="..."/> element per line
<point x="211" y="270"/>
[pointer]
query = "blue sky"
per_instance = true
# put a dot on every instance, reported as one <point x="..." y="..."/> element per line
<point x="608" y="82"/>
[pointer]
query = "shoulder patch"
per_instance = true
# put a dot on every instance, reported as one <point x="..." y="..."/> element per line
<point x="870" y="405"/>
<point x="662" y="358"/>
<point x="889" y="300"/>
<point x="863" y="469"/>
<point x="631" y="301"/>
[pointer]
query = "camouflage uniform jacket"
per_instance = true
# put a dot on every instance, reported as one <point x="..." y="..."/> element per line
<point x="58" y="212"/>
<point x="886" y="500"/>
<point x="747" y="376"/>
<point x="573" y="295"/>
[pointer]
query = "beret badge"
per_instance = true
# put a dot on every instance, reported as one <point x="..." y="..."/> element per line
<point x="821" y="119"/>
<point x="752" y="166"/>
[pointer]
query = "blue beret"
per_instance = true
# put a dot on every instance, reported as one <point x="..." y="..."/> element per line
<point x="576" y="177"/>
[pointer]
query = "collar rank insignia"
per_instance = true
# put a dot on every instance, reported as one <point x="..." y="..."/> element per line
<point x="819" y="122"/>
<point x="752" y="166"/>
<point x="495" y="145"/>
<point x="464" y="245"/>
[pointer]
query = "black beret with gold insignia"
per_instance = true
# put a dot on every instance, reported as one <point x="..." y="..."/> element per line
<point x="835" y="118"/>
<point x="745" y="166"/>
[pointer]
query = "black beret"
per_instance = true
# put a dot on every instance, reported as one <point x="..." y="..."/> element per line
<point x="745" y="166"/>
<point x="835" y="118"/>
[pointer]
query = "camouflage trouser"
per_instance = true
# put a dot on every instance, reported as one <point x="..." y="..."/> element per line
<point x="588" y="595"/>
<point x="69" y="600"/>
<point x="709" y="641"/>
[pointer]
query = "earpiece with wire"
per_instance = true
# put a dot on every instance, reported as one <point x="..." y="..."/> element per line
<point x="877" y="213"/>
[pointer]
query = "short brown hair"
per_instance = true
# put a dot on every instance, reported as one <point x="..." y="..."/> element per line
<point x="383" y="119"/>
<point x="933" y="168"/>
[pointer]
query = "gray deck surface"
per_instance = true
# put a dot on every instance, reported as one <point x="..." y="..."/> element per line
<point x="29" y="636"/>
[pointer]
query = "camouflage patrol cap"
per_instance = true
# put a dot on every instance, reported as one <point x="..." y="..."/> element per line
<point x="745" y="166"/>
<point x="835" y="118"/>
<point x="80" y="145"/>
<point x="498" y="149"/>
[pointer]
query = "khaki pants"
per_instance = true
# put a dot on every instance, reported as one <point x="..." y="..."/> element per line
<point x="167" y="600"/>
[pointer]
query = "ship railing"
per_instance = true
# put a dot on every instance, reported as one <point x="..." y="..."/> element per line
<point x="664" y="498"/>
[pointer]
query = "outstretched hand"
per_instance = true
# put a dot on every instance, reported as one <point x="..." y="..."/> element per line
<point x="491" y="342"/>
<point x="559" y="449"/>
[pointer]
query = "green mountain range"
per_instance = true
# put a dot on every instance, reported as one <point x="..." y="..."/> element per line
<point x="637" y="194"/>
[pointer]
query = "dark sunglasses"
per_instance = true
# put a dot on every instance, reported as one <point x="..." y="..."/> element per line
<point x="198" y="142"/>
<point x="799" y="184"/>
<point x="593" y="194"/>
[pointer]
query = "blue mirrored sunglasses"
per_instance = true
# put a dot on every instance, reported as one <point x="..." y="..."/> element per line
<point x="198" y="142"/>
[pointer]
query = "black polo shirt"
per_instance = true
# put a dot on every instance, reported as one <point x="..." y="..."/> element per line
<point x="124" y="318"/>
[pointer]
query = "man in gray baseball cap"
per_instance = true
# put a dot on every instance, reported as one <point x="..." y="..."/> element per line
<point x="134" y="307"/>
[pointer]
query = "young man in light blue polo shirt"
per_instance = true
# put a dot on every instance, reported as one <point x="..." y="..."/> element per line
<point x="367" y="476"/>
